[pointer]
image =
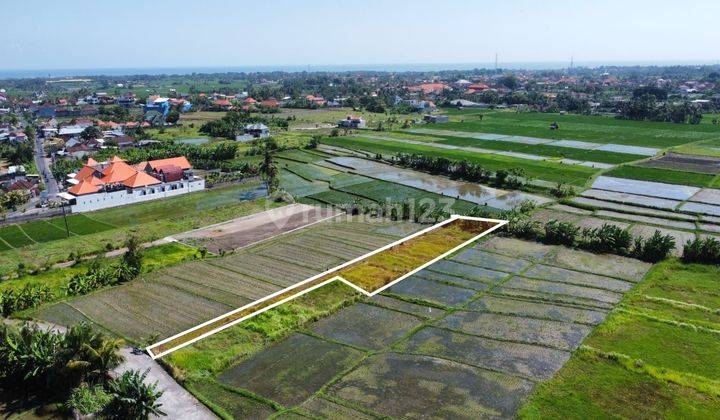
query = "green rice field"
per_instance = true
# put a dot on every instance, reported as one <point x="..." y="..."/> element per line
<point x="598" y="129"/>
<point x="536" y="149"/>
<point x="664" y="175"/>
<point x="548" y="171"/>
<point x="655" y="358"/>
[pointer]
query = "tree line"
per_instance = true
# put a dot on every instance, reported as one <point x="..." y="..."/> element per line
<point x="513" y="178"/>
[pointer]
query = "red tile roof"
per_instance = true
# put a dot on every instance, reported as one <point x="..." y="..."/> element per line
<point x="180" y="161"/>
<point x="84" y="187"/>
<point x="140" y="179"/>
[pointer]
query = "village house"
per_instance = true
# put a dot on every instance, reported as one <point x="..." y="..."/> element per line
<point x="100" y="185"/>
<point x="436" y="118"/>
<point x="352" y="122"/>
<point x="257" y="130"/>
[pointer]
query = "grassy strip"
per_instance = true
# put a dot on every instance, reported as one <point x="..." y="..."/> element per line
<point x="662" y="175"/>
<point x="699" y="383"/>
<point x="590" y="386"/>
<point x="549" y="171"/>
<point x="217" y="352"/>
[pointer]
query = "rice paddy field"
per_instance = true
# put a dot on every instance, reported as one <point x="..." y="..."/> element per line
<point x="667" y="175"/>
<point x="654" y="357"/>
<point x="597" y="129"/>
<point x="545" y="150"/>
<point x="43" y="242"/>
<point x="544" y="170"/>
<point x="168" y="301"/>
<point x="477" y="334"/>
<point x="309" y="176"/>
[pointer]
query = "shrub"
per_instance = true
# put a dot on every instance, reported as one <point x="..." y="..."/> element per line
<point x="608" y="238"/>
<point x="522" y="227"/>
<point x="560" y="233"/>
<point x="655" y="248"/>
<point x="132" y="397"/>
<point x="89" y="400"/>
<point x="562" y="190"/>
<point x="27" y="297"/>
<point x="703" y="251"/>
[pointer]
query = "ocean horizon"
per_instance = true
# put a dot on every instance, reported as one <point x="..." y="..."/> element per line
<point x="420" y="67"/>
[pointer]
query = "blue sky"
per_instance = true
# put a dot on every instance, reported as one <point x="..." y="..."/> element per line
<point x="162" y="33"/>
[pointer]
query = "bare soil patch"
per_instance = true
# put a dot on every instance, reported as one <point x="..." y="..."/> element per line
<point x="247" y="230"/>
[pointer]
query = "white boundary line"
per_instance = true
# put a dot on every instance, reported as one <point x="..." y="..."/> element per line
<point x="498" y="224"/>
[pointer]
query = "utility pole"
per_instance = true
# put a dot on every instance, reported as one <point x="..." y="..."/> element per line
<point x="67" y="228"/>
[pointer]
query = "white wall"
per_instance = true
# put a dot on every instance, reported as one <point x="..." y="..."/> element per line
<point x="105" y="200"/>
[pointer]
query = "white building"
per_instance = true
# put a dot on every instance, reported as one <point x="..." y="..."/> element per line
<point x="116" y="183"/>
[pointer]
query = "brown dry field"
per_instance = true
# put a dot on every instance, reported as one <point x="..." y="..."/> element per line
<point x="244" y="231"/>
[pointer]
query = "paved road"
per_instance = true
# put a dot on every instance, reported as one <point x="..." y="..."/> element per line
<point x="43" y="165"/>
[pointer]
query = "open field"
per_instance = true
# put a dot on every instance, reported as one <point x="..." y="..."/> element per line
<point x="549" y="171"/>
<point x="369" y="274"/>
<point x="467" y="191"/>
<point x="451" y="340"/>
<point x="599" y="129"/>
<point x="321" y="184"/>
<point x="581" y="151"/>
<point x="682" y="162"/>
<point x="244" y="231"/>
<point x="667" y="175"/>
<point x="91" y="232"/>
<point x="654" y="358"/>
<point x="168" y="301"/>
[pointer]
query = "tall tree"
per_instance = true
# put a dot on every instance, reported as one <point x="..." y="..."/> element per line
<point x="269" y="169"/>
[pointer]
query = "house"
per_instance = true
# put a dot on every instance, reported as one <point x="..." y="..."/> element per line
<point x="270" y="103"/>
<point x="79" y="150"/>
<point x="222" y="104"/>
<point x="430" y="88"/>
<point x="418" y="105"/>
<point x="70" y="131"/>
<point x="464" y="103"/>
<point x="352" y="122"/>
<point x="436" y="119"/>
<point x="124" y="142"/>
<point x="257" y="130"/>
<point x="100" y="185"/>
<point x="127" y="100"/>
<point x="317" y="100"/>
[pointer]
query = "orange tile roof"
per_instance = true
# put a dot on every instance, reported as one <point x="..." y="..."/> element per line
<point x="180" y="161"/>
<point x="118" y="171"/>
<point x="116" y="158"/>
<point x="85" y="173"/>
<point x="140" y="179"/>
<point x="84" y="187"/>
<point x="91" y="162"/>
